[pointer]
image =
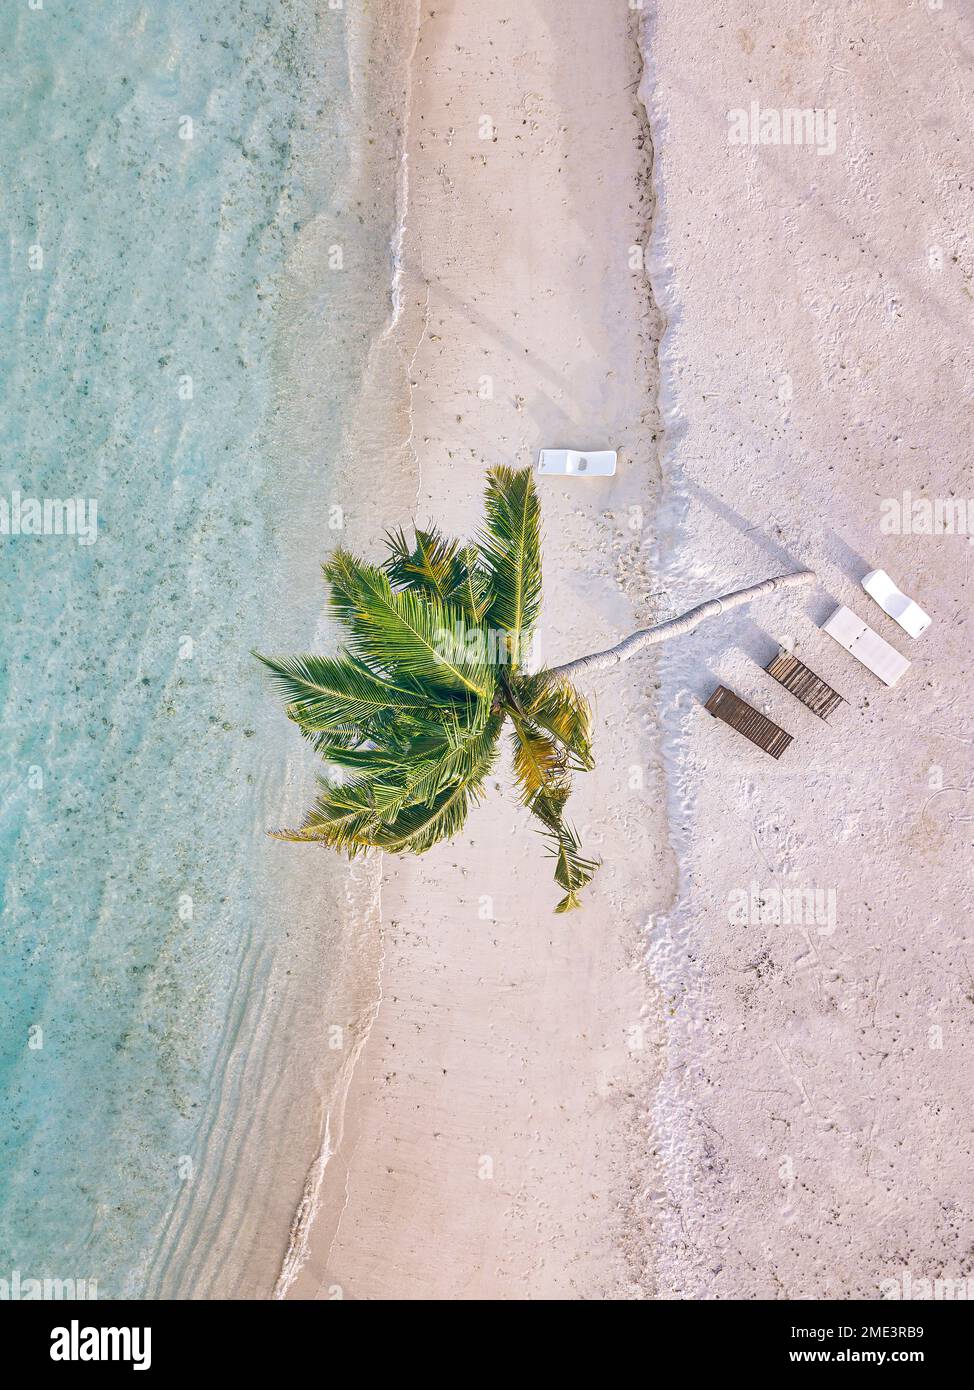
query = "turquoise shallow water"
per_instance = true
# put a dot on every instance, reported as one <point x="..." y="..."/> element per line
<point x="137" y="364"/>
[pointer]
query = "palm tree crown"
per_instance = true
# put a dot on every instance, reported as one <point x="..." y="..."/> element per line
<point x="412" y="710"/>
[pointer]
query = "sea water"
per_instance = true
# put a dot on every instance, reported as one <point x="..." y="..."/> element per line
<point x="178" y="193"/>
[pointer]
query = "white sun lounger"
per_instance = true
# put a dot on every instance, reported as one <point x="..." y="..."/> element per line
<point x="572" y="462"/>
<point x="893" y="601"/>
<point x="865" y="645"/>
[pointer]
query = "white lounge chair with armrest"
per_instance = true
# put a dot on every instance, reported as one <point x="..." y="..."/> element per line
<point x="893" y="601"/>
<point x="569" y="463"/>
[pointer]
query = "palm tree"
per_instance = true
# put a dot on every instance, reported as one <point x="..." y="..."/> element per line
<point x="413" y="709"/>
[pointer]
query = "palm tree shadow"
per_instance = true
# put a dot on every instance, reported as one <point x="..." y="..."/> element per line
<point x="855" y="565"/>
<point x="741" y="524"/>
<point x="758" y="644"/>
<point x="818" y="603"/>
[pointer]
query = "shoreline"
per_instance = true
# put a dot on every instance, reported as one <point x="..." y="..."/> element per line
<point x="239" y="1230"/>
<point x="509" y="1041"/>
<point x="371" y="439"/>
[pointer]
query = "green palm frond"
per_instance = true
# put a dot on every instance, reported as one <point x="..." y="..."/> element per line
<point x="329" y="692"/>
<point x="418" y="828"/>
<point x="539" y="764"/>
<point x="455" y="756"/>
<point x="556" y="706"/>
<point x="472" y="588"/>
<point x="452" y="571"/>
<point x="409" y="717"/>
<point x="573" y="871"/>
<point x="541" y="767"/>
<point x="342" y="817"/>
<point x="433" y="563"/>
<point x="453" y="760"/>
<point x="399" y="733"/>
<point x="397" y="631"/>
<point x="366" y="759"/>
<point x="510" y="544"/>
<point x="463" y="761"/>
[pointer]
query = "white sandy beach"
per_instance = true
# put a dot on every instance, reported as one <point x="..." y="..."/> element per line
<point x="815" y="1112"/>
<point x="648" y="1098"/>
<point x="485" y="1153"/>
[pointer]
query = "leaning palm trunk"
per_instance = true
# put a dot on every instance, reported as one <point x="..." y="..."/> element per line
<point x="408" y="716"/>
<point x="676" y="627"/>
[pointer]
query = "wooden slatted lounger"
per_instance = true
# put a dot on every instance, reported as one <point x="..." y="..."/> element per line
<point x="795" y="676"/>
<point x="725" y="705"/>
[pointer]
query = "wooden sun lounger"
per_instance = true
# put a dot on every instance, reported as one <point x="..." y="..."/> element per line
<point x="725" y="705"/>
<point x="795" y="676"/>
